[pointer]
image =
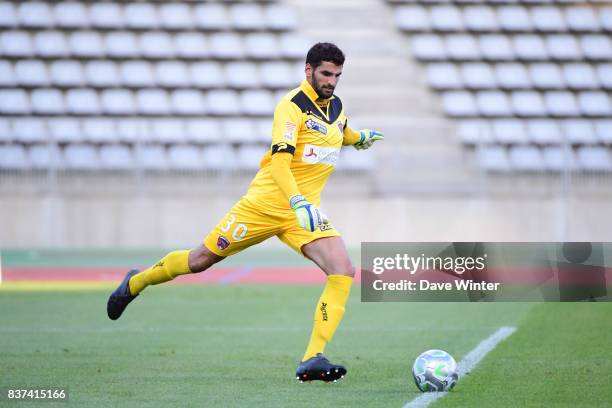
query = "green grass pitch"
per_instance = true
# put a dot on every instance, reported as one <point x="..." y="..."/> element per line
<point x="200" y="346"/>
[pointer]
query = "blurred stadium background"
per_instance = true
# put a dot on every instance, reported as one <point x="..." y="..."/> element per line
<point x="132" y="124"/>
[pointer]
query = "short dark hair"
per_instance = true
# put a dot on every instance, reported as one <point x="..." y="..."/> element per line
<point x="324" y="52"/>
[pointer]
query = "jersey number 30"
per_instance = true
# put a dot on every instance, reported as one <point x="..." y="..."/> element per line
<point x="239" y="231"/>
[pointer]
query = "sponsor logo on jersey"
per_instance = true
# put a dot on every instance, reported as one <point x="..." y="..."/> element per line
<point x="222" y="243"/>
<point x="320" y="155"/>
<point x="314" y="125"/>
<point x="289" y="129"/>
<point x="340" y="127"/>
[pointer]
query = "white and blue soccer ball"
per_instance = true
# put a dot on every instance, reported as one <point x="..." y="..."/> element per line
<point x="435" y="370"/>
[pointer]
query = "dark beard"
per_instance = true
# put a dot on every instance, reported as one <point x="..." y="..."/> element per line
<point x="319" y="90"/>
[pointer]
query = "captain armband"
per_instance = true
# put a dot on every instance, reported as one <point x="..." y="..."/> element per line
<point x="283" y="147"/>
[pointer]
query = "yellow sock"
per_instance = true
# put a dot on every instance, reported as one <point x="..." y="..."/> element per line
<point x="328" y="313"/>
<point x="172" y="265"/>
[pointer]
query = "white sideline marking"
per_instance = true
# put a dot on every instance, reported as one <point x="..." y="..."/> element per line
<point x="466" y="365"/>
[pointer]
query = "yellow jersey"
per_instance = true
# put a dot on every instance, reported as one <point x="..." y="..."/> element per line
<point x="313" y="130"/>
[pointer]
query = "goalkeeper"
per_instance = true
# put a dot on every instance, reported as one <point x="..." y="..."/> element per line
<point x="308" y="131"/>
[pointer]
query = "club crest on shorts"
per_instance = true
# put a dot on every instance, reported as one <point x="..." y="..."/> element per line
<point x="222" y="243"/>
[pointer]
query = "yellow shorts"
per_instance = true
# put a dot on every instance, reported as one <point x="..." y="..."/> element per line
<point x="246" y="224"/>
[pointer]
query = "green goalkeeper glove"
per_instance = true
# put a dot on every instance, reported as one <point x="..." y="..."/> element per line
<point x="368" y="137"/>
<point x="308" y="215"/>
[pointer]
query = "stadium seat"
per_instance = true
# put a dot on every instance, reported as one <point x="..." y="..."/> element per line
<point x="241" y="75"/>
<point x="14" y="101"/>
<point x="29" y="130"/>
<point x="13" y="157"/>
<point x="172" y="74"/>
<point x="462" y="47"/>
<point x="512" y="76"/>
<point x="223" y="102"/>
<point x="226" y="46"/>
<point x="526" y="158"/>
<point x="527" y="104"/>
<point x="153" y="102"/>
<point x="219" y="157"/>
<point x="211" y="16"/>
<point x="529" y="47"/>
<point x="561" y="103"/>
<point x="246" y="16"/>
<point x="605" y="18"/>
<point x="168" y="131"/>
<point x="141" y="15"/>
<point x="480" y="18"/>
<point x="31" y="73"/>
<point x="509" y="131"/>
<point x="412" y="18"/>
<point x="101" y="73"/>
<point x="604" y="73"/>
<point x="7" y="74"/>
<point x="558" y="158"/>
<point x="121" y="44"/>
<point x="66" y="73"/>
<point x="132" y="130"/>
<point x="6" y="133"/>
<point x="176" y="16"/>
<point x="70" y="14"/>
<point x="8" y="15"/>
<point x="137" y="74"/>
<point x="263" y="46"/>
<point x="544" y="131"/>
<point x="238" y="130"/>
<point x="494" y="159"/>
<point x="514" y="18"/>
<point x="204" y="131"/>
<point x="50" y="44"/>
<point x="47" y="101"/>
<point x="257" y="102"/>
<point x="44" y="156"/>
<point x="191" y="45"/>
<point x="581" y="19"/>
<point x="280" y="17"/>
<point x="579" y="131"/>
<point x="207" y="74"/>
<point x="118" y="102"/>
<point x="546" y="76"/>
<point x="151" y="157"/>
<point x="593" y="158"/>
<point x="493" y="103"/>
<point x="294" y="45"/>
<point x="16" y="44"/>
<point x="596" y="47"/>
<point x="428" y="47"/>
<point x="99" y="130"/>
<point x="156" y="44"/>
<point x="580" y="76"/>
<point x="478" y="76"/>
<point x="474" y="132"/>
<point x="563" y="47"/>
<point x="86" y="44"/>
<point x="459" y="103"/>
<point x="81" y="157"/>
<point x="443" y="76"/>
<point x="263" y="131"/>
<point x="496" y="47"/>
<point x="34" y="14"/>
<point x="277" y="75"/>
<point x="65" y="130"/>
<point x="594" y="103"/>
<point x="249" y="156"/>
<point x="82" y="101"/>
<point x="446" y="18"/>
<point x="188" y="102"/>
<point x="603" y="129"/>
<point x="548" y="19"/>
<point x="185" y="157"/>
<point x="116" y="157"/>
<point x="106" y="15"/>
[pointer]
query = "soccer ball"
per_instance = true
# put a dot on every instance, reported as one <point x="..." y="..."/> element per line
<point x="435" y="370"/>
